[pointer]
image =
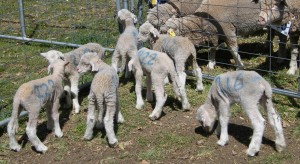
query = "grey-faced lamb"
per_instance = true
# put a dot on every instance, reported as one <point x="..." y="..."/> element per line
<point x="157" y="66"/>
<point x="180" y="49"/>
<point x="248" y="89"/>
<point x="71" y="74"/>
<point x="280" y="12"/>
<point x="158" y="15"/>
<point x="103" y="97"/>
<point x="32" y="96"/>
<point x="127" y="42"/>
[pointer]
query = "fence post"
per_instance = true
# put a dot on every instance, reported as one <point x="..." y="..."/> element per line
<point x="22" y="21"/>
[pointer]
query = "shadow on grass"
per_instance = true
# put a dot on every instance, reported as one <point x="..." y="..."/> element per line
<point x="240" y="132"/>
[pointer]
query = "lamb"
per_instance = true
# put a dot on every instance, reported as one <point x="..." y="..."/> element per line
<point x="199" y="30"/>
<point x="158" y="15"/>
<point x="180" y="49"/>
<point x="32" y="96"/>
<point x="127" y="43"/>
<point x="103" y="97"/>
<point x="157" y="66"/>
<point x="280" y="12"/>
<point x="248" y="89"/>
<point x="71" y="74"/>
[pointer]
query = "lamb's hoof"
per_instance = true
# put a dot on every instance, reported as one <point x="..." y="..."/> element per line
<point x="15" y="148"/>
<point x="114" y="144"/>
<point x="200" y="88"/>
<point x="41" y="148"/>
<point x="222" y="143"/>
<point x="76" y="111"/>
<point x="252" y="152"/>
<point x="139" y="106"/>
<point x="120" y="120"/>
<point x="210" y="66"/>
<point x="291" y="72"/>
<point x="59" y="134"/>
<point x="153" y="118"/>
<point x="186" y="107"/>
<point x="280" y="148"/>
<point x="87" y="137"/>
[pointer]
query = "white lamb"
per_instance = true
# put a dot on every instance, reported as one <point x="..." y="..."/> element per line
<point x="32" y="96"/>
<point x="180" y="49"/>
<point x="71" y="74"/>
<point x="103" y="97"/>
<point x="157" y="66"/>
<point x="248" y="89"/>
<point x="127" y="43"/>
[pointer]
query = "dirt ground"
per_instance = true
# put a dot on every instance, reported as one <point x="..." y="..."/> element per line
<point x="201" y="148"/>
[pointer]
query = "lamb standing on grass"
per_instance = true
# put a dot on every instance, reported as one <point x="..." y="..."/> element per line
<point x="71" y="73"/>
<point x="157" y="66"/>
<point x="180" y="49"/>
<point x="103" y="97"/>
<point x="32" y="96"/>
<point x="248" y="89"/>
<point x="127" y="43"/>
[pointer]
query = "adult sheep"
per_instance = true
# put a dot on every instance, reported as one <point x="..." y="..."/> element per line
<point x="275" y="12"/>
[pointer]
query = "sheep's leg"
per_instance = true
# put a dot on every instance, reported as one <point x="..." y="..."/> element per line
<point x="180" y="70"/>
<point x="138" y="73"/>
<point x="282" y="48"/>
<point x="50" y="121"/>
<point x="91" y="117"/>
<point x="149" y="95"/>
<point x="120" y="118"/>
<point x="31" y="130"/>
<point x="198" y="73"/>
<point x="12" y="127"/>
<point x="233" y="48"/>
<point x="55" y="117"/>
<point x="294" y="55"/>
<point x="223" y="121"/>
<point x="275" y="122"/>
<point x="109" y="121"/>
<point x="160" y="96"/>
<point x="74" y="89"/>
<point x="115" y="60"/>
<point x="258" y="124"/>
<point x="211" y="58"/>
<point x="68" y="96"/>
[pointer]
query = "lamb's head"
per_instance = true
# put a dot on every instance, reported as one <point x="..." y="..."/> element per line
<point x="171" y="23"/>
<point x="206" y="115"/>
<point x="124" y="15"/>
<point x="87" y="62"/>
<point x="147" y="32"/>
<point x="58" y="67"/>
<point x="53" y="55"/>
<point x="270" y="11"/>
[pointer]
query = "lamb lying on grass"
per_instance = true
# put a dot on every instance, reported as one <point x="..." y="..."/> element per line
<point x="71" y="73"/>
<point x="248" y="89"/>
<point x="32" y="96"/>
<point x="103" y="97"/>
<point x="127" y="43"/>
<point x="180" y="49"/>
<point x="157" y="66"/>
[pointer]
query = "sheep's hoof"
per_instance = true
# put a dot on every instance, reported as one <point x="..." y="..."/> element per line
<point x="87" y="137"/>
<point x="114" y="144"/>
<point x="15" y="148"/>
<point x="153" y="118"/>
<point x="59" y="134"/>
<point x="251" y="152"/>
<point x="279" y="147"/>
<point x="41" y="148"/>
<point x="222" y="143"/>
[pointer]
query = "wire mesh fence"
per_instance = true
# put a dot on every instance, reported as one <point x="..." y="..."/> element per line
<point x="31" y="27"/>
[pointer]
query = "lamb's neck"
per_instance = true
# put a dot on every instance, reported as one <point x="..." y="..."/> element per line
<point x="129" y="22"/>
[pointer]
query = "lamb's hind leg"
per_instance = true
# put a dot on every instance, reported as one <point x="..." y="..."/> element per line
<point x="91" y="117"/>
<point x="160" y="96"/>
<point x="12" y="127"/>
<point x="258" y="124"/>
<point x="31" y="130"/>
<point x="198" y="73"/>
<point x="294" y="55"/>
<point x="55" y="117"/>
<point x="223" y="123"/>
<point x="109" y="120"/>
<point x="74" y="89"/>
<point x="275" y="122"/>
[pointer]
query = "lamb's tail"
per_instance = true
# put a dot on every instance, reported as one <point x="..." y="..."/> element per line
<point x="13" y="124"/>
<point x="274" y="118"/>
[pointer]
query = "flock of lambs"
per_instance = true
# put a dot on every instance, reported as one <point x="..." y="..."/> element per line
<point x="164" y="62"/>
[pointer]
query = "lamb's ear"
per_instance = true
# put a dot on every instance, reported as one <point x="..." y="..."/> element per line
<point x="254" y="1"/>
<point x="94" y="68"/>
<point x="154" y="32"/>
<point x="284" y="2"/>
<point x="134" y="18"/>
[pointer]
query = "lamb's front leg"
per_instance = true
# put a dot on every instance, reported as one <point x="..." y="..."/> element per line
<point x="149" y="95"/>
<point x="74" y="89"/>
<point x="55" y="117"/>
<point x="138" y="88"/>
<point x="223" y="121"/>
<point x="258" y="124"/>
<point x="91" y="117"/>
<point x="160" y="95"/>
